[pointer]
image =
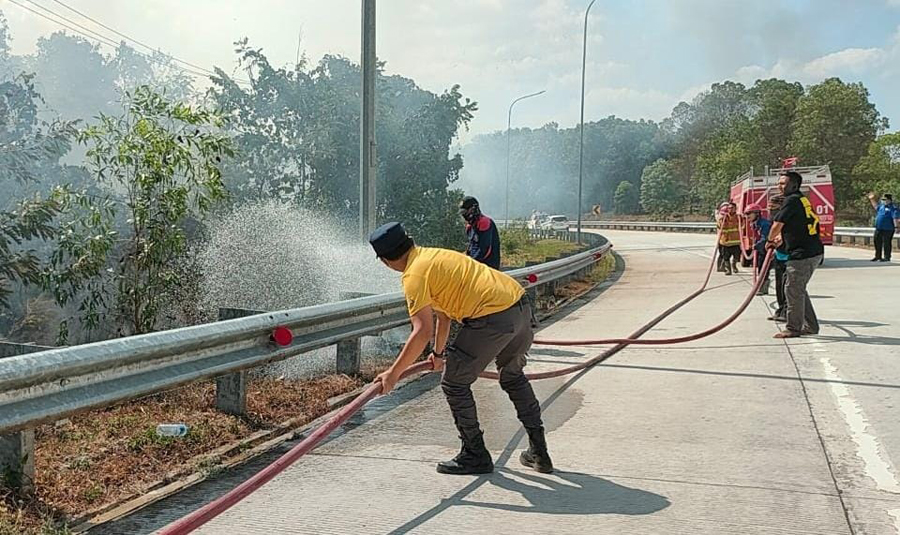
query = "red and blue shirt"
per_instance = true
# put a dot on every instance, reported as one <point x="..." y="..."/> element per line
<point x="484" y="242"/>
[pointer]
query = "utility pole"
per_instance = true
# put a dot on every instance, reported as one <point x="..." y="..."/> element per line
<point x="368" y="164"/>
<point x="508" y="126"/>
<point x="587" y="12"/>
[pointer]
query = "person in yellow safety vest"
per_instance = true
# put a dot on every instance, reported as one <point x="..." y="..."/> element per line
<point x="729" y="240"/>
<point x="718" y="214"/>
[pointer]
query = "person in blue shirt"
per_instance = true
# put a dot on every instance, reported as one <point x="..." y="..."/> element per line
<point x="481" y="232"/>
<point x="887" y="218"/>
<point x="761" y="227"/>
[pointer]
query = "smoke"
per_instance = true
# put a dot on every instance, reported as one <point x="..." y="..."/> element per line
<point x="273" y="256"/>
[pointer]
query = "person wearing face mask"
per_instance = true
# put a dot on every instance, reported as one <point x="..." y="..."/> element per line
<point x="887" y="218"/>
<point x="481" y="233"/>
<point x="796" y="226"/>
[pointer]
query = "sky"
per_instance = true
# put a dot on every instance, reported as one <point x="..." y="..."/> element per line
<point x="643" y="56"/>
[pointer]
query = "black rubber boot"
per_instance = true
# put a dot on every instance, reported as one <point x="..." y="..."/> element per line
<point x="473" y="457"/>
<point x="536" y="455"/>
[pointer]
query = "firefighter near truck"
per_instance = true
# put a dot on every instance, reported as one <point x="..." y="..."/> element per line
<point x="750" y="190"/>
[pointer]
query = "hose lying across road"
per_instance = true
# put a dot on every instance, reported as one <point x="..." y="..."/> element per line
<point x="662" y="341"/>
<point x="203" y="515"/>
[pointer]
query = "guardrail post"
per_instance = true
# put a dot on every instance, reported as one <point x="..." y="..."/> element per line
<point x="231" y="389"/>
<point x="17" y="449"/>
<point x="17" y="460"/>
<point x="231" y="393"/>
<point x="349" y="352"/>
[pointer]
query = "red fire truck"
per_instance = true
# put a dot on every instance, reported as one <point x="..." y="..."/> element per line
<point x="748" y="190"/>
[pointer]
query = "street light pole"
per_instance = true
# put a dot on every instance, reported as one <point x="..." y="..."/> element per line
<point x="368" y="165"/>
<point x="581" y="147"/>
<point x="508" y="125"/>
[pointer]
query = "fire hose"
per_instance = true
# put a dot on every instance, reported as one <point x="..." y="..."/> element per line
<point x="218" y="506"/>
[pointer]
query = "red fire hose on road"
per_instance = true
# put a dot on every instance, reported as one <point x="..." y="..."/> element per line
<point x="667" y="341"/>
<point x="218" y="506"/>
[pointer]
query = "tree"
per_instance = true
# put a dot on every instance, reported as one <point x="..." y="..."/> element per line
<point x="773" y="109"/>
<point x="659" y="189"/>
<point x="716" y="167"/>
<point x="879" y="170"/>
<point x="29" y="152"/>
<point x="79" y="81"/>
<point x="29" y="148"/>
<point x="544" y="164"/>
<point x="32" y="220"/>
<point x="835" y="124"/>
<point x="297" y="135"/>
<point x="164" y="158"/>
<point x="627" y="199"/>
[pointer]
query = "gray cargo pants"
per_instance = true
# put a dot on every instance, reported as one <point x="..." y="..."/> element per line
<point x="801" y="317"/>
<point x="502" y="337"/>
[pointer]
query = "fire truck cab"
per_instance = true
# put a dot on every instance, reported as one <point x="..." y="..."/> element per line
<point x="748" y="190"/>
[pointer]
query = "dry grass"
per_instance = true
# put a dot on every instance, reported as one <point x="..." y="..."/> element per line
<point x="598" y="274"/>
<point x="109" y="455"/>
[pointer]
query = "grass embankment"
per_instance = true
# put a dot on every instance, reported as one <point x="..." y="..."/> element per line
<point x="518" y="247"/>
<point x="107" y="456"/>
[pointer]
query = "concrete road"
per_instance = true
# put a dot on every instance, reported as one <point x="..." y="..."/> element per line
<point x="737" y="433"/>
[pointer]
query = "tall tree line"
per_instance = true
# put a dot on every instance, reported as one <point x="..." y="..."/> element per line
<point x="686" y="163"/>
<point x="112" y="163"/>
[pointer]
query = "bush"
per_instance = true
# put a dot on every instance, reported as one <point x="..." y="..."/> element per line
<point x="514" y="238"/>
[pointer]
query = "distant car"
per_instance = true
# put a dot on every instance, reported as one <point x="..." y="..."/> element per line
<point x="556" y="222"/>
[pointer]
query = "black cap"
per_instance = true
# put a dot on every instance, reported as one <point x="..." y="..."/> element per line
<point x="467" y="203"/>
<point x="387" y="238"/>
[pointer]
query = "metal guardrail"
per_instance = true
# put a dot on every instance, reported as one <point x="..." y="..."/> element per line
<point x="50" y="385"/>
<point x="842" y="235"/>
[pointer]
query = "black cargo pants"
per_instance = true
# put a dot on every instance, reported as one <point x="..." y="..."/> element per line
<point x="503" y="337"/>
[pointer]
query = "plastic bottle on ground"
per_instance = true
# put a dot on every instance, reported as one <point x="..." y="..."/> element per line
<point x="171" y="430"/>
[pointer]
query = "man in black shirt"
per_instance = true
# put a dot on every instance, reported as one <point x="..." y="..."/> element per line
<point x="796" y="226"/>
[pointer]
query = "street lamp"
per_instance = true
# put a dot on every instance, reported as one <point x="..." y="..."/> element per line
<point x="581" y="148"/>
<point x="508" y="124"/>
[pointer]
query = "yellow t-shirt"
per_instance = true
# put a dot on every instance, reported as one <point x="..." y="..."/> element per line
<point x="456" y="285"/>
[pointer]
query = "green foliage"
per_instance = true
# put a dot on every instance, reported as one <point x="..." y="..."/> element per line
<point x="627" y="199"/>
<point x="32" y="220"/>
<point x="164" y="157"/>
<point x="659" y="189"/>
<point x="29" y="150"/>
<point x="717" y="166"/>
<point x="879" y="170"/>
<point x="544" y="165"/>
<point x="297" y="133"/>
<point x="773" y="105"/>
<point x="514" y="239"/>
<point x="835" y="123"/>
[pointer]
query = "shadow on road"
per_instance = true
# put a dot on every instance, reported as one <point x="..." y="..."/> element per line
<point x="571" y="493"/>
<point x="843" y="263"/>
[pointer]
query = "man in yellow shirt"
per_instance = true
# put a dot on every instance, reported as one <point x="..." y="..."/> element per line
<point x="496" y="326"/>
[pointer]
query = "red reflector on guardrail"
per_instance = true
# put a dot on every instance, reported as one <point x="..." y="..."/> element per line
<point x="532" y="278"/>
<point x="282" y="336"/>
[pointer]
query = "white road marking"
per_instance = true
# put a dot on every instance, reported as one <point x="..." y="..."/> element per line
<point x="876" y="462"/>
<point x="896" y="514"/>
